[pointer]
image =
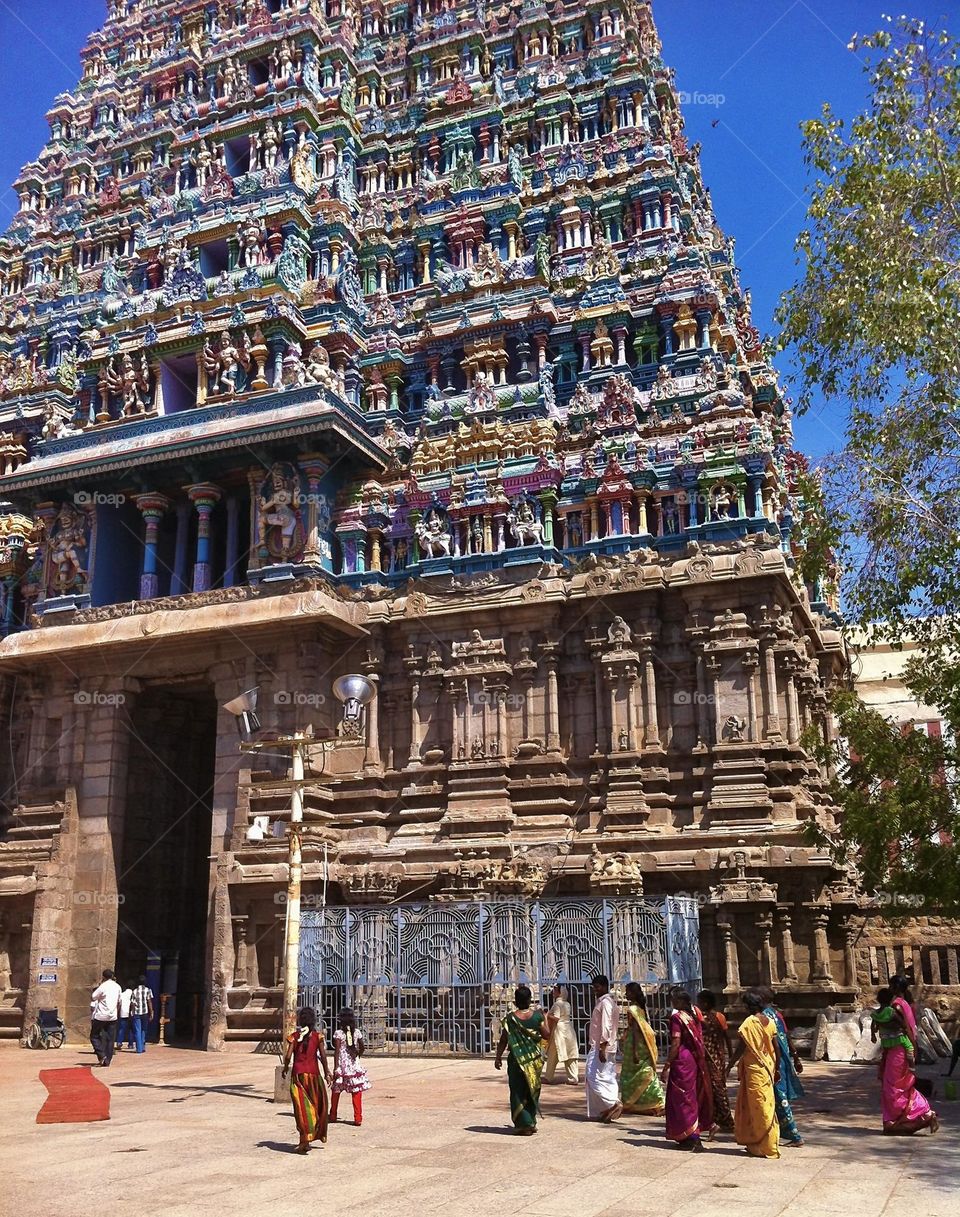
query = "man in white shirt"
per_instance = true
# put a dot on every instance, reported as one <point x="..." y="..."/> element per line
<point x="603" y="1091"/>
<point x="104" y="1010"/>
<point x="125" y="1022"/>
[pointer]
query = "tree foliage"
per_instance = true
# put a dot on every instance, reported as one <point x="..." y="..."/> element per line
<point x="872" y="325"/>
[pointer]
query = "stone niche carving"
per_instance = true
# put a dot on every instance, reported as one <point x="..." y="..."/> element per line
<point x="67" y="552"/>
<point x="280" y="528"/>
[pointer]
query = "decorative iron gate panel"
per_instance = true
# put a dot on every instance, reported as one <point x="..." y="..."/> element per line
<point x="436" y="978"/>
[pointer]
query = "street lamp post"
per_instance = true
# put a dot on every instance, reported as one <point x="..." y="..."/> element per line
<point x="355" y="692"/>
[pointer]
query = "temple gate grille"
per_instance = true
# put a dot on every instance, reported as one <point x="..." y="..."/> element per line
<point x="435" y="978"/>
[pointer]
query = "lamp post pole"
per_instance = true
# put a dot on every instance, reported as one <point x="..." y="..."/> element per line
<point x="291" y="965"/>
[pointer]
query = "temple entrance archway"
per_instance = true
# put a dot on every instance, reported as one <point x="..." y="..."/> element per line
<point x="163" y="869"/>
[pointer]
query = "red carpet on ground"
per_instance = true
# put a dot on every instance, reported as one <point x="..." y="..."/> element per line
<point x="76" y="1097"/>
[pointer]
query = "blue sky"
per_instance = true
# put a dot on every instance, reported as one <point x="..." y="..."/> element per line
<point x="753" y="70"/>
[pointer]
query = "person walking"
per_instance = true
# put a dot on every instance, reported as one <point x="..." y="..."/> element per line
<point x="562" y="1048"/>
<point x="689" y="1103"/>
<point x="105" y="1009"/>
<point x="904" y="1109"/>
<point x="124" y="1023"/>
<point x="755" y="1054"/>
<point x="306" y="1050"/>
<point x="349" y="1075"/>
<point x="787" y="1085"/>
<point x="716" y="1043"/>
<point x="640" y="1089"/>
<point x="523" y="1033"/>
<point x="141" y="1012"/>
<point x="603" y="1092"/>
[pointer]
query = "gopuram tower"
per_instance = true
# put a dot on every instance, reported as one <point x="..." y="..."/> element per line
<point x="396" y="339"/>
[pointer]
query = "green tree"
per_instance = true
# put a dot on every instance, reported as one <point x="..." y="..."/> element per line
<point x="872" y="325"/>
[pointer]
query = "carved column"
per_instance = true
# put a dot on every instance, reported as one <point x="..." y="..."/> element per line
<point x="152" y="507"/>
<point x="372" y="755"/>
<point x="254" y="481"/>
<point x="651" y="737"/>
<point x="786" y="945"/>
<point x="773" y="732"/>
<point x="821" y="946"/>
<point x="793" y="720"/>
<point x="501" y="742"/>
<point x="849" y="953"/>
<point x="768" y="967"/>
<point x="549" y="651"/>
<point x="204" y="497"/>
<point x="414" y="723"/>
<point x="241" y="974"/>
<point x="750" y="663"/>
<point x="314" y="467"/>
<point x="730" y="954"/>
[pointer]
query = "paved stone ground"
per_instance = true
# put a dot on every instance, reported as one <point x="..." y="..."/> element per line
<point x="194" y="1132"/>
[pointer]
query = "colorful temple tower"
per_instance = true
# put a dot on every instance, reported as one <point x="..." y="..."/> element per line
<point x="398" y="339"/>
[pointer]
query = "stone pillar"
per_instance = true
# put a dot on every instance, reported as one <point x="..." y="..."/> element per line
<point x="414" y="723"/>
<point x="773" y="700"/>
<point x="314" y="467"/>
<point x="749" y="663"/>
<point x="768" y="966"/>
<point x="180" y="582"/>
<point x="786" y="945"/>
<point x="152" y="507"/>
<point x="821" y="946"/>
<point x="793" y="717"/>
<point x="501" y="696"/>
<point x="849" y="953"/>
<point x="204" y="497"/>
<point x="726" y="928"/>
<point x="651" y="737"/>
<point x="241" y="976"/>
<point x="372" y="757"/>
<point x="233" y="541"/>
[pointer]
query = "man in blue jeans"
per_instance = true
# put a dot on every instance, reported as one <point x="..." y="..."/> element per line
<point x="141" y="1012"/>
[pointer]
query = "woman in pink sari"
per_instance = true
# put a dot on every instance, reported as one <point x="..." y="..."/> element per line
<point x="689" y="1096"/>
<point x="903" y="1107"/>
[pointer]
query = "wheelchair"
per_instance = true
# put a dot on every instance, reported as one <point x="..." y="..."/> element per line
<point x="49" y="1031"/>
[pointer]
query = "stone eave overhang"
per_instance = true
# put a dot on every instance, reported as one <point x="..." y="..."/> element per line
<point x="221" y="428"/>
<point x="192" y="620"/>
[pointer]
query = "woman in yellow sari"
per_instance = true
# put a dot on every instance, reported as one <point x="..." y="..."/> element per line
<point x="755" y="1119"/>
<point x="640" y="1089"/>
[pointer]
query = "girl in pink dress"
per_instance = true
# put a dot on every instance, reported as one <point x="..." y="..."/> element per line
<point x="349" y="1075"/>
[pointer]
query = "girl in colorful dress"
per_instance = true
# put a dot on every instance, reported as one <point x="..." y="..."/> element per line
<point x="308" y="1052"/>
<point x="640" y="1088"/>
<point x="349" y="1075"/>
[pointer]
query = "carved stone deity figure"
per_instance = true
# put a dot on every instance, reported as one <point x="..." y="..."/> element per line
<point x="67" y="550"/>
<point x="317" y="370"/>
<point x="619" y="633"/>
<point x="251" y="238"/>
<point x="434" y="540"/>
<point x="224" y="364"/>
<point x="279" y="525"/>
<point x="524" y="525"/>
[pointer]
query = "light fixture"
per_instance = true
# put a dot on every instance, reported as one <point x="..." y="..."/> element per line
<point x="355" y="692"/>
<point x="244" y="710"/>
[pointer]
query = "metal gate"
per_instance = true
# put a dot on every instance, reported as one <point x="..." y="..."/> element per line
<point x="437" y="977"/>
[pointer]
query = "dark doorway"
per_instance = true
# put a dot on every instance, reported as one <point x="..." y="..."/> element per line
<point x="164" y="865"/>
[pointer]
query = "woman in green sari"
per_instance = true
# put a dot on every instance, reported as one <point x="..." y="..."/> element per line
<point x="524" y="1031"/>
<point x="640" y="1088"/>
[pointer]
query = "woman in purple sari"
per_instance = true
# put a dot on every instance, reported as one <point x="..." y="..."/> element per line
<point x="685" y="1075"/>
<point x="903" y="1107"/>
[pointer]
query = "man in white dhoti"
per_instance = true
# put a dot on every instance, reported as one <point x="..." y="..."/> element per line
<point x="563" y="1048"/>
<point x="603" y="1092"/>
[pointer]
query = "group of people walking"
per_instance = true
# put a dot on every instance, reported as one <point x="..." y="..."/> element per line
<point x="306" y="1051"/>
<point x="691" y="1089"/>
<point x="119" y="1014"/>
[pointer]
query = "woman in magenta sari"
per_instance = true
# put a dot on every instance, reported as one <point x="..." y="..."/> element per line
<point x="685" y="1075"/>
<point x="903" y="1107"/>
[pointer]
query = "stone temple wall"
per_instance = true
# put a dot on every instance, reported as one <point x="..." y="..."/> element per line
<point x="631" y="726"/>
